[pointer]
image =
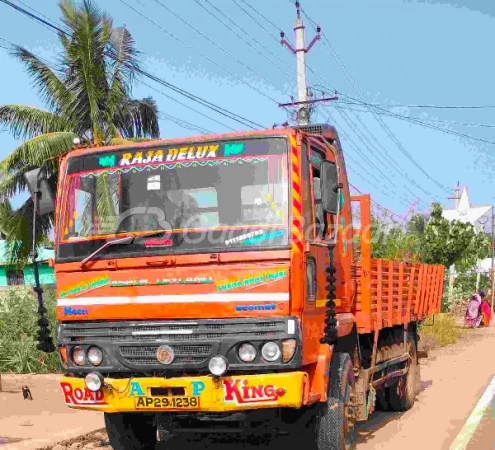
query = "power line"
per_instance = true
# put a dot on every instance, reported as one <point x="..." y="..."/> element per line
<point x="186" y="106"/>
<point x="181" y="122"/>
<point x="364" y="138"/>
<point x="190" y="47"/>
<point x="365" y="157"/>
<point x="193" y="97"/>
<point x="255" y="20"/>
<point x="241" y="37"/>
<point x="261" y="15"/>
<point x="32" y="16"/>
<point x="214" y="43"/>
<point x="354" y="128"/>
<point x="269" y="33"/>
<point x="391" y="160"/>
<point x="184" y="123"/>
<point x="339" y="104"/>
<point x="389" y="132"/>
<point x="433" y="127"/>
<point x="434" y="106"/>
<point x="378" y="204"/>
<point x="266" y="31"/>
<point x="396" y="168"/>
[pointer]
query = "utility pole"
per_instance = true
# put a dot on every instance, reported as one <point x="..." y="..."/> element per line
<point x="302" y="103"/>
<point x="456" y="199"/>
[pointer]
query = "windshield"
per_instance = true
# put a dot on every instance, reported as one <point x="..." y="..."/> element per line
<point x="209" y="197"/>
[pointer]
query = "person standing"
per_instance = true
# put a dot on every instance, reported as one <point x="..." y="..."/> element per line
<point x="486" y="310"/>
<point x="474" y="315"/>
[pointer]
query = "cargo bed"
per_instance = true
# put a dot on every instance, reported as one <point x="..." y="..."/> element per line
<point x="391" y="292"/>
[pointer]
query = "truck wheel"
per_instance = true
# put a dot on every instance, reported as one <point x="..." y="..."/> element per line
<point x="131" y="431"/>
<point x="401" y="396"/>
<point x="335" y="422"/>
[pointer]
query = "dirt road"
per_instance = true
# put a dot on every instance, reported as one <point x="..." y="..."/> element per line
<point x="28" y="425"/>
<point x="453" y="381"/>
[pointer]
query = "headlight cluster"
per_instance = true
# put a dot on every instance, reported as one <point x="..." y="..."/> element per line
<point x="94" y="356"/>
<point x="270" y="351"/>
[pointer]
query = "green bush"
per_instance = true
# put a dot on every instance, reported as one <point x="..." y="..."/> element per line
<point x="19" y="328"/>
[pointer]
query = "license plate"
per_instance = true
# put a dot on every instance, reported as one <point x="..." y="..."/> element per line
<point x="167" y="403"/>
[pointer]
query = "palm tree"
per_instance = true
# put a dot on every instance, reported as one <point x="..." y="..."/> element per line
<point x="88" y="96"/>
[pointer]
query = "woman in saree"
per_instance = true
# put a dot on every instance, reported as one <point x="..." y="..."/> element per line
<point x="474" y="315"/>
<point x="486" y="310"/>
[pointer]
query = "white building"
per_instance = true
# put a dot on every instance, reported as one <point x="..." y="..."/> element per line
<point x="478" y="216"/>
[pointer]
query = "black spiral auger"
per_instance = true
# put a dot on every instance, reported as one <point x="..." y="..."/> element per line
<point x="330" y="331"/>
<point x="45" y="341"/>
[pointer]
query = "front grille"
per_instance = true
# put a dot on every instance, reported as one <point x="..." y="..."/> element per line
<point x="146" y="355"/>
<point x="131" y="346"/>
<point x="173" y="332"/>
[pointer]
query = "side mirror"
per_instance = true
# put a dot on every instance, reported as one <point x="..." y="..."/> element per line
<point x="329" y="187"/>
<point x="38" y="182"/>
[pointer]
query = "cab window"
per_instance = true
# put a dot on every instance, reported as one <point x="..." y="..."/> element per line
<point x="321" y="224"/>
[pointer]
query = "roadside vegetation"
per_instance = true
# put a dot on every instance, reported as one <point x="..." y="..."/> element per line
<point x="431" y="239"/>
<point x="18" y="332"/>
<point x="440" y="331"/>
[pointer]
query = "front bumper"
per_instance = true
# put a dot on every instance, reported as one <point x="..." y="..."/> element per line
<point x="189" y="394"/>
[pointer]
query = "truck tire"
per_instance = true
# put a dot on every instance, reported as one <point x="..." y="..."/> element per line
<point x="335" y="421"/>
<point x="401" y="396"/>
<point x="131" y="431"/>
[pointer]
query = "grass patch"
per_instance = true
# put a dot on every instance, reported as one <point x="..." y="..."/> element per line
<point x="443" y="331"/>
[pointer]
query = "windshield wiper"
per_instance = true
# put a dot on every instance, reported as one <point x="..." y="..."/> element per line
<point x="124" y="240"/>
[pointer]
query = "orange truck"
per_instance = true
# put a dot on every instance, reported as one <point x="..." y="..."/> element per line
<point x="223" y="284"/>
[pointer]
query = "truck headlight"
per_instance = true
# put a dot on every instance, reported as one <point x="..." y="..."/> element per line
<point x="95" y="356"/>
<point x="78" y="356"/>
<point x="270" y="351"/>
<point x="93" y="381"/>
<point x="247" y="353"/>
<point x="217" y="366"/>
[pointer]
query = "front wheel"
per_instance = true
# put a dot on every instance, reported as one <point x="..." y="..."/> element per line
<point x="335" y="423"/>
<point x="131" y="431"/>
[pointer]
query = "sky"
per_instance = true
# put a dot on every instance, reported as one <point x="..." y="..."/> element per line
<point x="388" y="52"/>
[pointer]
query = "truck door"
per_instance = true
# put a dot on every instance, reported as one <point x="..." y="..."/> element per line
<point x="316" y="231"/>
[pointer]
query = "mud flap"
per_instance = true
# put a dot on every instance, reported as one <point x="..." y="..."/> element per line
<point x="361" y="401"/>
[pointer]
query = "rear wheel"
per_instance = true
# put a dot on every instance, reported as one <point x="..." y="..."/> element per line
<point x="401" y="396"/>
<point x="131" y="431"/>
